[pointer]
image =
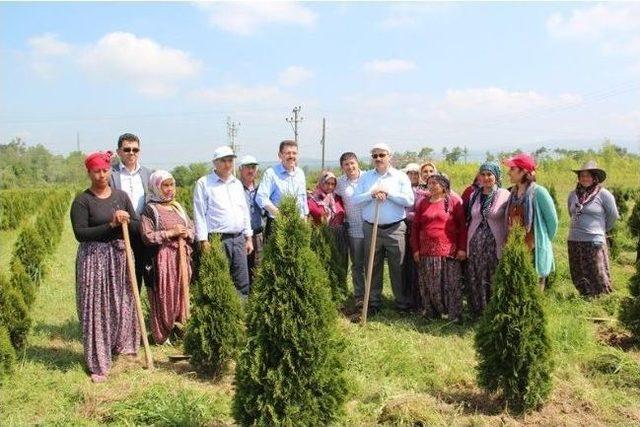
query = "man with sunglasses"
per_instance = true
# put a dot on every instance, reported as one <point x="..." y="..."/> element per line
<point x="220" y="207"/>
<point x="132" y="178"/>
<point x="390" y="188"/>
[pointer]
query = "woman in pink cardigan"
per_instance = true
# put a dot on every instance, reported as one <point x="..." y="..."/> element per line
<point x="487" y="233"/>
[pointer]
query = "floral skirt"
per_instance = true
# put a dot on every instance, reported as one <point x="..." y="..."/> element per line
<point x="589" y="267"/>
<point x="441" y="286"/>
<point x="105" y="304"/>
<point x="481" y="265"/>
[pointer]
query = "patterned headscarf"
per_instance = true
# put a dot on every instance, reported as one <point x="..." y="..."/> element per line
<point x="326" y="200"/>
<point x="587" y="194"/>
<point x="157" y="196"/>
<point x="494" y="168"/>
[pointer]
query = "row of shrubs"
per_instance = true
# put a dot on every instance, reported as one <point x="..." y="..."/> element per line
<point x="36" y="241"/>
<point x="16" y="205"/>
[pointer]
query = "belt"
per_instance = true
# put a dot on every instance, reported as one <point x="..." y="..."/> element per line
<point x="385" y="226"/>
<point x="227" y="235"/>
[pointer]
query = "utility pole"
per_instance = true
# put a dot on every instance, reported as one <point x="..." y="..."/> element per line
<point x="294" y="120"/>
<point x="78" y="141"/>
<point x="323" y="140"/>
<point x="232" y="132"/>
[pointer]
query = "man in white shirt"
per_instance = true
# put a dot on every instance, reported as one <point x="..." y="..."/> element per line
<point x="132" y="178"/>
<point x="220" y="207"/>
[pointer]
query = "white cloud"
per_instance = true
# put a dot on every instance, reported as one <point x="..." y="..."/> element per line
<point x="245" y="18"/>
<point x="388" y="66"/>
<point x="294" y="76"/>
<point x="47" y="44"/>
<point x="596" y="21"/>
<point x="151" y="68"/>
<point x="236" y="94"/>
<point x="501" y="100"/>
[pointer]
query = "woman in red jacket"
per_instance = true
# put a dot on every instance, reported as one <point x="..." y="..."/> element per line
<point x="438" y="242"/>
<point x="325" y="206"/>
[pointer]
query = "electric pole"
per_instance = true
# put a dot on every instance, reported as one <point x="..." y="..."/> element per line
<point x="294" y="120"/>
<point x="232" y="132"/>
<point x="323" y="140"/>
<point x="78" y="141"/>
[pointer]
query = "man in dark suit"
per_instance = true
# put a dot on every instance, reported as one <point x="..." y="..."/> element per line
<point x="132" y="178"/>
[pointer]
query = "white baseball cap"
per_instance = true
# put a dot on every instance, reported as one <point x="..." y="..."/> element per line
<point x="411" y="167"/>
<point x="381" y="146"/>
<point x="248" y="160"/>
<point x="224" y="151"/>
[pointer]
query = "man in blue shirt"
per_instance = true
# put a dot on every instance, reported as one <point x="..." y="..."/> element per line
<point x="284" y="178"/>
<point x="392" y="190"/>
<point x="220" y="207"/>
<point x="248" y="174"/>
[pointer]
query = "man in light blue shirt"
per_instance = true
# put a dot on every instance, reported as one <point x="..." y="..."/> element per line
<point x="220" y="207"/>
<point x="390" y="188"/>
<point x="282" y="179"/>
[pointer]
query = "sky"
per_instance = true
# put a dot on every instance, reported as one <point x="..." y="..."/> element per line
<point x="489" y="76"/>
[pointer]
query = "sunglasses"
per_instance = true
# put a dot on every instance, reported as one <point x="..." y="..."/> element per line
<point x="381" y="155"/>
<point x="130" y="149"/>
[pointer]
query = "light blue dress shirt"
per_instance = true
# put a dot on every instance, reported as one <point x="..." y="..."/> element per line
<point x="220" y="207"/>
<point x="399" y="195"/>
<point x="276" y="182"/>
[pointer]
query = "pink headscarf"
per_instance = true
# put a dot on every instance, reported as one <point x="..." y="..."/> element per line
<point x="326" y="200"/>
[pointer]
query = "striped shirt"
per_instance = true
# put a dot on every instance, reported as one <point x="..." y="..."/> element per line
<point x="346" y="189"/>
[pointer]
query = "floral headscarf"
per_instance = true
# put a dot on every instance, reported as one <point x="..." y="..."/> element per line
<point x="157" y="196"/>
<point x="326" y="200"/>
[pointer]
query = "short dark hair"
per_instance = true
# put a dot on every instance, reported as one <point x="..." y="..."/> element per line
<point x="287" y="143"/>
<point x="127" y="137"/>
<point x="347" y="156"/>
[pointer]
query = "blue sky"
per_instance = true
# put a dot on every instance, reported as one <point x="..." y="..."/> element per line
<point x="491" y="76"/>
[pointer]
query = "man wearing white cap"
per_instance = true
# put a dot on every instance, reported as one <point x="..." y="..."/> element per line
<point x="285" y="178"/>
<point x="392" y="190"/>
<point x="248" y="174"/>
<point x="220" y="207"/>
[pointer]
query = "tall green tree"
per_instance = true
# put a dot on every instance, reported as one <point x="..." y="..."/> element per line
<point x="291" y="370"/>
<point x="324" y="243"/>
<point x="215" y="331"/>
<point x="512" y="342"/>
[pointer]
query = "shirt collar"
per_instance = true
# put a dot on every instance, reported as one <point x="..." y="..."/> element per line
<point x="281" y="170"/>
<point x="228" y="181"/>
<point x="123" y="168"/>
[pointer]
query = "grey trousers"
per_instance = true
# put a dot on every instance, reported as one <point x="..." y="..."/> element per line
<point x="390" y="244"/>
<point x="237" y="256"/>
<point x="357" y="254"/>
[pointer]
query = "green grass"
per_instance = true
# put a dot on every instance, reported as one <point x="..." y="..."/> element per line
<point x="402" y="370"/>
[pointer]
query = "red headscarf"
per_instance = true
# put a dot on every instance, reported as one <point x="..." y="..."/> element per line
<point x="98" y="160"/>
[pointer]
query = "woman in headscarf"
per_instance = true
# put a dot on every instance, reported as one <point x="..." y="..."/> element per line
<point x="104" y="299"/>
<point x="439" y="243"/>
<point x="486" y="235"/>
<point x="325" y="207"/>
<point x="426" y="170"/>
<point x="164" y="222"/>
<point x="593" y="213"/>
<point x="531" y="206"/>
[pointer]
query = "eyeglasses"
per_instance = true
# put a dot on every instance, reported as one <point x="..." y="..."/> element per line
<point x="130" y="149"/>
<point x="381" y="155"/>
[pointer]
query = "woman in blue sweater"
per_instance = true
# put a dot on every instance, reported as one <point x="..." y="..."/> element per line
<point x="593" y="214"/>
<point x="531" y="206"/>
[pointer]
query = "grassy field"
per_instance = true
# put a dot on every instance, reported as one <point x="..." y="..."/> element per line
<point x="402" y="370"/>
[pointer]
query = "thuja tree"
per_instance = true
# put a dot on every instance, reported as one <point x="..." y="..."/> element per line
<point x="630" y="306"/>
<point x="291" y="370"/>
<point x="7" y="354"/>
<point x="14" y="313"/>
<point x="215" y="331"/>
<point x="512" y="341"/>
<point x="324" y="242"/>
